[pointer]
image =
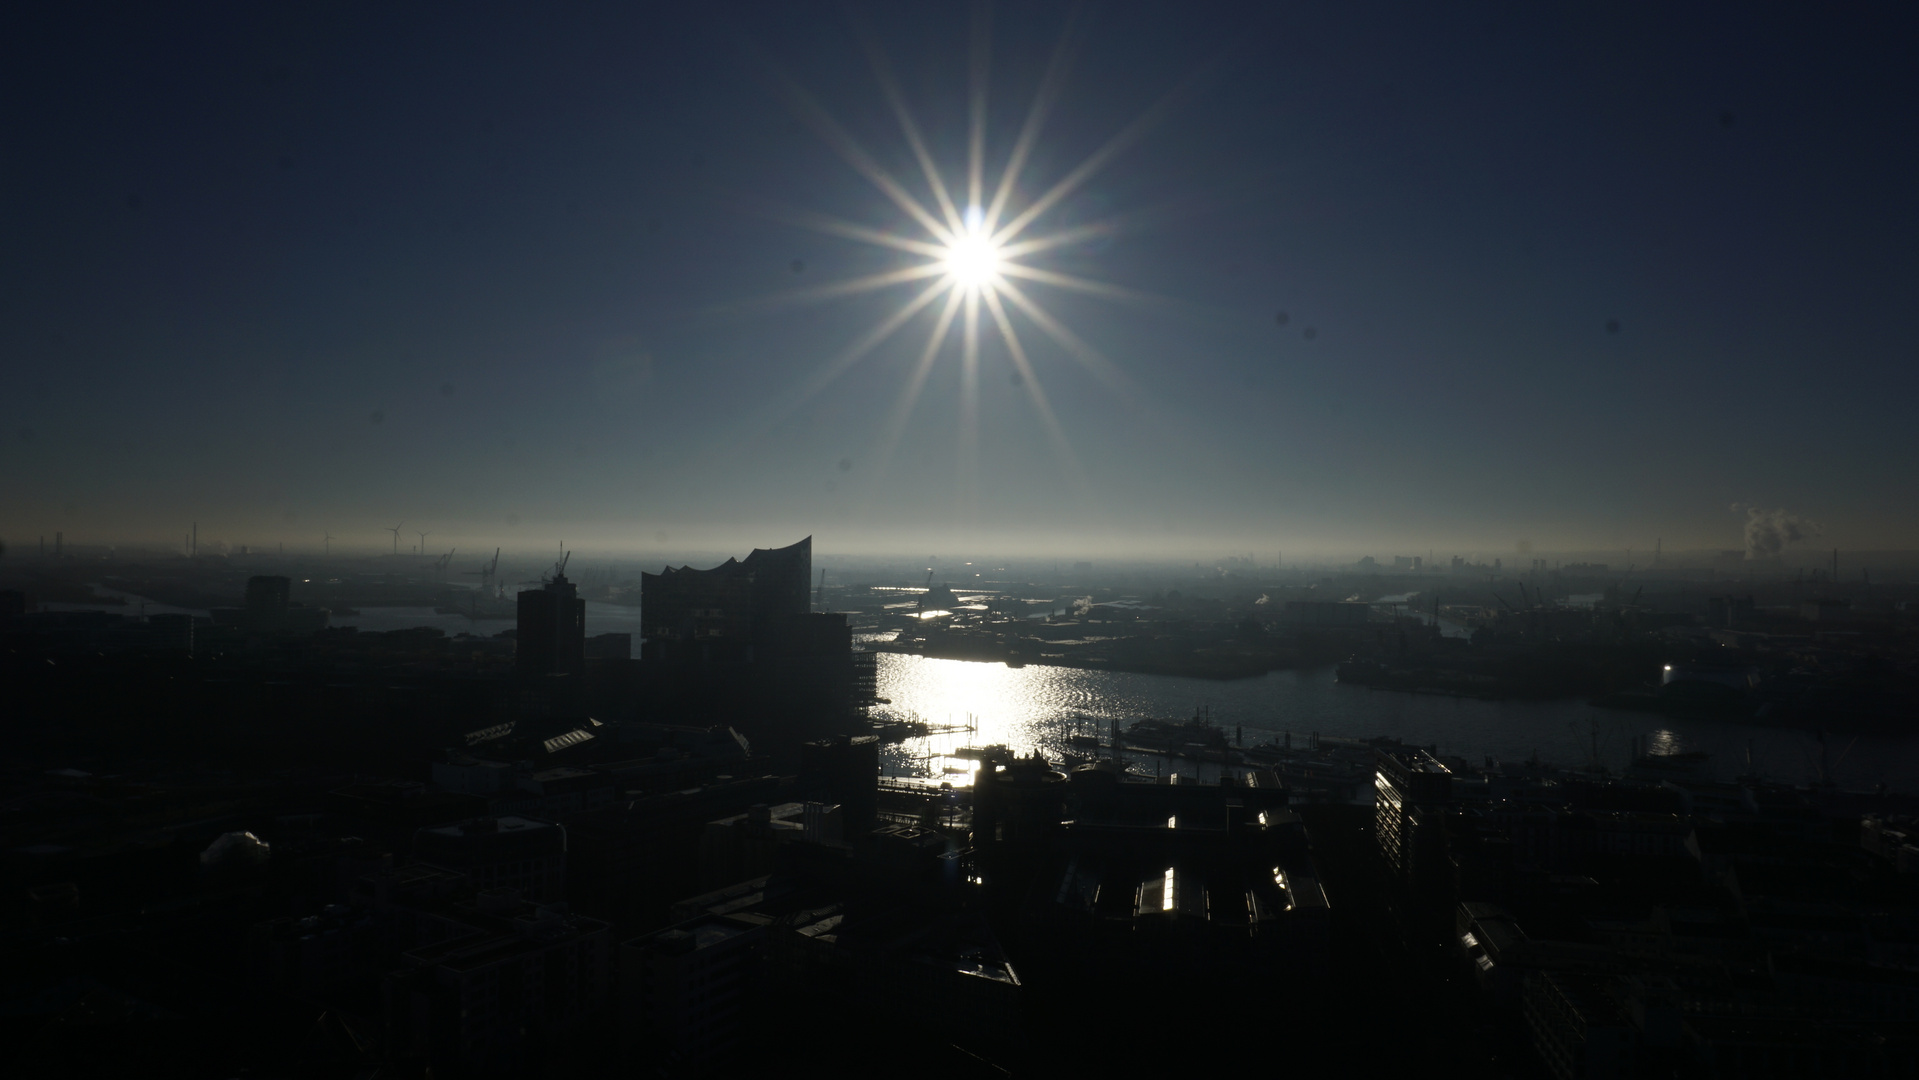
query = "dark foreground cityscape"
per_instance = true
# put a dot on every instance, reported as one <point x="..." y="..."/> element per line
<point x="247" y="842"/>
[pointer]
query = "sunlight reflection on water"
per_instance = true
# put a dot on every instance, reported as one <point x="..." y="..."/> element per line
<point x="1039" y="708"/>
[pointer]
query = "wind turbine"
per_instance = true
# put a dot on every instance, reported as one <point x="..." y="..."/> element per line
<point x="395" y="530"/>
<point x="423" y="537"/>
<point x="327" y="540"/>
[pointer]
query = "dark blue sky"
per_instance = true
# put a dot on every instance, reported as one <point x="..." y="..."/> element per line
<point x="502" y="272"/>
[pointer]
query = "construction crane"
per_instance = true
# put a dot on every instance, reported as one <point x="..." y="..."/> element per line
<point x="487" y="570"/>
<point x="559" y="571"/>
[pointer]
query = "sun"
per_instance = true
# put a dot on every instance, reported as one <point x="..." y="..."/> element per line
<point x="975" y="272"/>
<point x="972" y="259"/>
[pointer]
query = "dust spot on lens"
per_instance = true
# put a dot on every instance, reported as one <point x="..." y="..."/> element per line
<point x="1612" y="326"/>
<point x="1310" y="333"/>
<point x="377" y="416"/>
<point x="446" y="389"/>
<point x="846" y="464"/>
<point x="799" y="266"/>
<point x="1282" y="318"/>
<point x="1726" y="118"/>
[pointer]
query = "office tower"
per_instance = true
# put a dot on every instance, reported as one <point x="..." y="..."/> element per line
<point x="552" y="631"/>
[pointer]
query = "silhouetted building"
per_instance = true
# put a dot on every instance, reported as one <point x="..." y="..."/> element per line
<point x="1410" y="792"/>
<point x="741" y="846"/>
<point x="268" y="610"/>
<point x="515" y="853"/>
<point x="1327" y="612"/>
<point x="736" y="599"/>
<point x="609" y="647"/>
<point x="266" y="606"/>
<point x="497" y="998"/>
<point x="845" y="771"/>
<point x="13" y="603"/>
<point x="1728" y="610"/>
<point x="172" y="632"/>
<point x="737" y="643"/>
<point x="689" y="986"/>
<point x="552" y="629"/>
<point x="1017" y="802"/>
<point x="1179" y="876"/>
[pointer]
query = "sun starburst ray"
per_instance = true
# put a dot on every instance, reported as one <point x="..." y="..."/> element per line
<point x="1098" y="230"/>
<point x="889" y="88"/>
<point x="968" y="457"/>
<point x="981" y="68"/>
<point x="833" y="226"/>
<point x="872" y="339"/>
<point x="815" y="116"/>
<point x="978" y="258"/>
<point x="1079" y="284"/>
<point x="1043" y="101"/>
<point x="1094" y="361"/>
<point x="1122" y="141"/>
<point x="752" y="429"/>
<point x="909" y="395"/>
<point x="1029" y="379"/>
<point x="830" y="291"/>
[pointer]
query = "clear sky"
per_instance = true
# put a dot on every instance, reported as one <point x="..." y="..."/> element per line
<point x="1427" y="276"/>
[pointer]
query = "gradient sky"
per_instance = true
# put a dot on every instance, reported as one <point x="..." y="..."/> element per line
<point x="505" y="273"/>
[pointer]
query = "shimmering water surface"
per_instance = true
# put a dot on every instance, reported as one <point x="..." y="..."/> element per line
<point x="1033" y="708"/>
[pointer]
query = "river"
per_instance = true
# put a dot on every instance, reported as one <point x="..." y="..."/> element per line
<point x="1031" y="708"/>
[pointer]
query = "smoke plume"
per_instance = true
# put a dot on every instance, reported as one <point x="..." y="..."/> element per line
<point x="1769" y="532"/>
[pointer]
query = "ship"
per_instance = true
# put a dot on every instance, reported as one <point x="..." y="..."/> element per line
<point x="1188" y="738"/>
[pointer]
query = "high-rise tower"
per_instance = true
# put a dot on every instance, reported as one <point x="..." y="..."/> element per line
<point x="552" y="633"/>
